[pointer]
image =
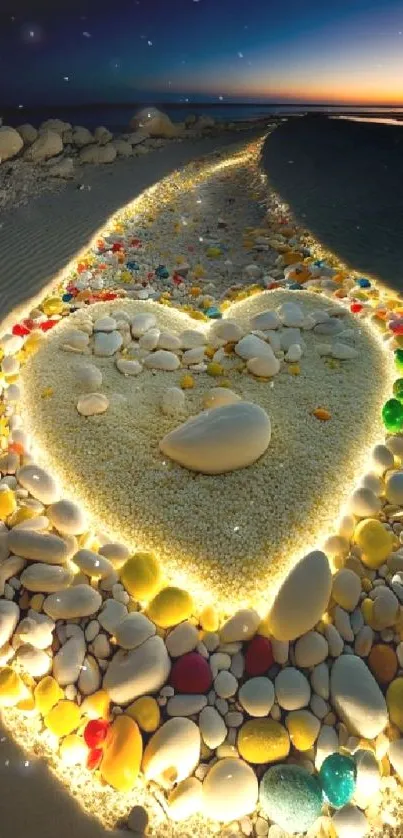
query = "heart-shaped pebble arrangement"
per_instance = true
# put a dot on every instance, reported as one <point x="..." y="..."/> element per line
<point x="214" y="525"/>
<point x="201" y="583"/>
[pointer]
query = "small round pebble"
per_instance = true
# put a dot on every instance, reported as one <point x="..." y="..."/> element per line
<point x="292" y="689"/>
<point x="257" y="696"/>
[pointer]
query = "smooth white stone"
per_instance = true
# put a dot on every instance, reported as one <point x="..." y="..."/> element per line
<point x="350" y="822"/>
<point x="220" y="440"/>
<point x="141" y="323"/>
<point x="227" y="330"/>
<point x="38" y="546"/>
<point x="106" y="344"/>
<point x="172" y="753"/>
<point x="68" y="661"/>
<point x="9" y="616"/>
<point x="343" y="352"/>
<point x="394" y="488"/>
<point x="76" y="340"/>
<point x="230" y="790"/>
<point x="140" y="671"/>
<point x="128" y="367"/>
<point x="169" y="341"/>
<point x="251" y="346"/>
<point x="182" y="639"/>
<point x="134" y="630"/>
<point x="212" y="727"/>
<point x="257" y="696"/>
<point x="242" y="626"/>
<point x="79" y="601"/>
<point x="382" y="458"/>
<point x="9" y="567"/>
<point x="89" y="679"/>
<point x="67" y="517"/>
<point x="185" y="800"/>
<point x="162" y="359"/>
<point x="89" y="377"/>
<point x="357" y="697"/>
<point x="264" y="366"/>
<point x="364" y="504"/>
<point x="11" y="344"/>
<point x="292" y="689"/>
<point x="186" y="705"/>
<point x="39" y="483"/>
<point x="395" y="755"/>
<point x="117" y="554"/>
<point x="35" y="629"/>
<point x="310" y="649"/>
<point x="112" y="614"/>
<point x="299" y="604"/>
<point x="320" y="680"/>
<point x="346" y="589"/>
<point x="34" y="661"/>
<point x="193" y="356"/>
<point x="105" y="324"/>
<point x="150" y="340"/>
<point x="92" y="404"/>
<point x="265" y="320"/>
<point x="368" y="778"/>
<point x="327" y="743"/>
<point x="191" y="338"/>
<point x="291" y="315"/>
<point x="294" y="353"/>
<point x="92" y="564"/>
<point x="330" y="327"/>
<point x="46" y="578"/>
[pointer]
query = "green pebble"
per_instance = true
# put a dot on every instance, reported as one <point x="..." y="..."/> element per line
<point x="291" y="797"/>
<point x="398" y="389"/>
<point x="392" y="415"/>
<point x="399" y="359"/>
<point x="338" y="775"/>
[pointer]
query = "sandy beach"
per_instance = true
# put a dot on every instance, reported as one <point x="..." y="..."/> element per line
<point x="341" y="179"/>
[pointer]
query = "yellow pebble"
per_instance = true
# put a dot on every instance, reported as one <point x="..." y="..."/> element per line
<point x="209" y="352"/>
<point x="170" y="607"/>
<point x="73" y="750"/>
<point x="263" y="740"/>
<point x="146" y="712"/>
<point x="36" y="602"/>
<point x="47" y="393"/>
<point x="375" y="541"/>
<point x="24" y="513"/>
<point x="123" y="751"/>
<point x="394" y="701"/>
<point x="294" y="369"/>
<point x="214" y="369"/>
<point x="63" y="719"/>
<point x="209" y="618"/>
<point x="366" y="584"/>
<point x="8" y="503"/>
<point x="12" y="687"/>
<point x="96" y="706"/>
<point x="47" y="693"/>
<point x="53" y="305"/>
<point x="187" y="382"/>
<point x="33" y="341"/>
<point x="303" y="728"/>
<point x="141" y="575"/>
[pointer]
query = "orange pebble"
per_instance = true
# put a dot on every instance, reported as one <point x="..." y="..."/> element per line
<point x="382" y="662"/>
<point x="291" y="258"/>
<point x="322" y="414"/>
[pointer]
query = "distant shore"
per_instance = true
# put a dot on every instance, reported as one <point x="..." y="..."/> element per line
<point x="342" y="181"/>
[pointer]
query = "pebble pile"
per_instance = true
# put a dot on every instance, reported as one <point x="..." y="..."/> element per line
<point x="159" y="711"/>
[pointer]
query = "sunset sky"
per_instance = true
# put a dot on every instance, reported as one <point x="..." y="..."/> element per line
<point x="344" y="51"/>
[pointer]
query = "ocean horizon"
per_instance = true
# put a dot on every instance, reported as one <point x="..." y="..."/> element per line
<point x="117" y="117"/>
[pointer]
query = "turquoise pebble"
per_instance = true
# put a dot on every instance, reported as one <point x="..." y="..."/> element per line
<point x="291" y="797"/>
<point x="214" y="313"/>
<point x="338" y="775"/>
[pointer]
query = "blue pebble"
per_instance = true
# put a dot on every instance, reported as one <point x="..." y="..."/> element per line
<point x="133" y="266"/>
<point x="363" y="282"/>
<point x="214" y="313"/>
<point x="67" y="297"/>
<point x="320" y="263"/>
<point x="162" y="272"/>
<point x="296" y="286"/>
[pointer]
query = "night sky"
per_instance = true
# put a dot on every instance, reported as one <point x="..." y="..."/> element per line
<point x="319" y="51"/>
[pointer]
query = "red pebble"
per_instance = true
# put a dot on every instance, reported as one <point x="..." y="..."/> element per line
<point x="191" y="248"/>
<point x="28" y="323"/>
<point x="272" y="286"/>
<point x="47" y="324"/>
<point x="259" y="656"/>
<point x="94" y="759"/>
<point x="191" y="674"/>
<point x="109" y="296"/>
<point x="117" y="246"/>
<point x="355" y="308"/>
<point x="95" y="732"/>
<point x="20" y="330"/>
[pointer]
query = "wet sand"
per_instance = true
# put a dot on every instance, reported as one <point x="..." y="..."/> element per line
<point x="343" y="181"/>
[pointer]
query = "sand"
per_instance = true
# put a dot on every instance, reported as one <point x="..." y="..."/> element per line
<point x="342" y="180"/>
<point x="37" y="241"/>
